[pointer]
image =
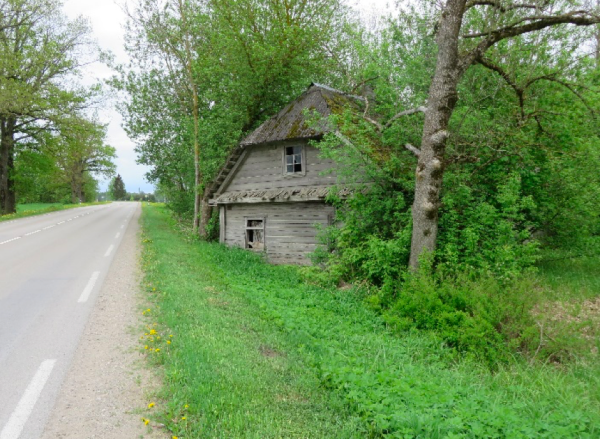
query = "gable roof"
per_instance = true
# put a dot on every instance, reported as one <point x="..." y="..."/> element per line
<point x="290" y="123"/>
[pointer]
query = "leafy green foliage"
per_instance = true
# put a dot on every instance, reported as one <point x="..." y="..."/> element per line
<point x="248" y="59"/>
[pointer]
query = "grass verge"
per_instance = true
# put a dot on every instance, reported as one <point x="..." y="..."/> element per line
<point x="31" y="209"/>
<point x="248" y="350"/>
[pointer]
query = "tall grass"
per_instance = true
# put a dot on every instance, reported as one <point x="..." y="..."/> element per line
<point x="257" y="352"/>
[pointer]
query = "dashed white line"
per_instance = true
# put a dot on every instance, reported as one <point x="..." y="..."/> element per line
<point x="108" y="252"/>
<point x="18" y="418"/>
<point x="49" y="227"/>
<point x="122" y="226"/>
<point x="62" y="222"/>
<point x="117" y="236"/>
<point x="10" y="240"/>
<point x="89" y="287"/>
<point x="33" y="233"/>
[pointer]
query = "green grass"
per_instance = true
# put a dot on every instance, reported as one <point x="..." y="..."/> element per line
<point x="31" y="209"/>
<point x="258" y="353"/>
<point x="571" y="278"/>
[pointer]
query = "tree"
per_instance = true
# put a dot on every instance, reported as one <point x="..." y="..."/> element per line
<point x="79" y="151"/>
<point x="39" y="49"/>
<point x="117" y="188"/>
<point x="218" y="78"/>
<point x="466" y="30"/>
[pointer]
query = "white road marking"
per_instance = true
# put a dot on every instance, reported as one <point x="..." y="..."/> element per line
<point x="62" y="222"/>
<point x="10" y="240"/>
<point x="89" y="287"/>
<point x="16" y="422"/>
<point x="49" y="227"/>
<point x="118" y="234"/>
<point x="122" y="226"/>
<point x="110" y="249"/>
<point x="32" y="233"/>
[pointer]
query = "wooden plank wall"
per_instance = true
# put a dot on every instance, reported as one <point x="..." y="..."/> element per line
<point x="290" y="228"/>
<point x="263" y="169"/>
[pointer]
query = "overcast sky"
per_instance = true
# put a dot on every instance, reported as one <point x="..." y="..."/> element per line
<point x="107" y="20"/>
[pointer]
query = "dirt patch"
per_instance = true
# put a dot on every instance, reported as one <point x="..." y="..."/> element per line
<point x="581" y="319"/>
<point x="269" y="352"/>
<point x="106" y="391"/>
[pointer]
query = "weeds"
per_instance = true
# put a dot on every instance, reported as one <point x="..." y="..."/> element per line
<point x="260" y="353"/>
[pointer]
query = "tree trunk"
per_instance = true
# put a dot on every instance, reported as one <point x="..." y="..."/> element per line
<point x="440" y="105"/>
<point x="7" y="145"/>
<point x="206" y="211"/>
<point x="74" y="191"/>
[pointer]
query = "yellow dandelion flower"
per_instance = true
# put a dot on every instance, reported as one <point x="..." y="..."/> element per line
<point x="185" y="406"/>
<point x="157" y="350"/>
<point x="150" y="405"/>
<point x="152" y="331"/>
<point x="146" y="347"/>
<point x="168" y="341"/>
<point x="183" y="418"/>
<point x="171" y="336"/>
<point x="146" y="421"/>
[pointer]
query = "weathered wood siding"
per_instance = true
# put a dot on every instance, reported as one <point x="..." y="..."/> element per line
<point x="262" y="168"/>
<point x="290" y="232"/>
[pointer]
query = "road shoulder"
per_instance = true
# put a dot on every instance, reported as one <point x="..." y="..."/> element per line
<point x="108" y="384"/>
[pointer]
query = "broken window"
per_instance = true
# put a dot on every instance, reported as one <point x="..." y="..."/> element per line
<point x="293" y="159"/>
<point x="255" y="234"/>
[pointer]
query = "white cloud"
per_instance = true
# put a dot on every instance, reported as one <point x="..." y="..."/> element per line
<point x="107" y="20"/>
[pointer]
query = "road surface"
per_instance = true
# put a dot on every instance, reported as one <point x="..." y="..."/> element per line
<point x="51" y="269"/>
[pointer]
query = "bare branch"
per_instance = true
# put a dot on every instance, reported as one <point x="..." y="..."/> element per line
<point x="416" y="151"/>
<point x="420" y="109"/>
<point x="363" y="82"/>
<point x="538" y="22"/>
<point x="499" y="6"/>
<point x="519" y="91"/>
<point x="369" y="119"/>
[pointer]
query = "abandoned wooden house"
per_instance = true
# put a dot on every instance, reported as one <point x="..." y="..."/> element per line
<point x="271" y="191"/>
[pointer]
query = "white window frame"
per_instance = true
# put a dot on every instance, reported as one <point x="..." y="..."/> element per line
<point x="301" y="173"/>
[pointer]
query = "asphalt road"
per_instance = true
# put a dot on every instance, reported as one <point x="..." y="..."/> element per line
<point x="51" y="269"/>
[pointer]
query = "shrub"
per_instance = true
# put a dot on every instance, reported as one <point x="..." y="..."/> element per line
<point x="483" y="318"/>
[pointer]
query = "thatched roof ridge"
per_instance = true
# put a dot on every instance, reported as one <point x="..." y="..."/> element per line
<point x="290" y="123"/>
<point x="270" y="195"/>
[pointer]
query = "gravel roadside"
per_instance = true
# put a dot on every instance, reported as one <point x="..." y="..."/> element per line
<point x="106" y="390"/>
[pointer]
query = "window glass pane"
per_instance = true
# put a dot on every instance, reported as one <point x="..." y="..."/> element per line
<point x="297" y="149"/>
<point x="297" y="158"/>
<point x="298" y="167"/>
<point x="290" y="168"/>
<point x="289" y="150"/>
<point x="289" y="159"/>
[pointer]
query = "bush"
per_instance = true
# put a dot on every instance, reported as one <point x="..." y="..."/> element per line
<point x="483" y="318"/>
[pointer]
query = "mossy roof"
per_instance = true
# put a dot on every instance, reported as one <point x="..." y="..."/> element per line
<point x="290" y="123"/>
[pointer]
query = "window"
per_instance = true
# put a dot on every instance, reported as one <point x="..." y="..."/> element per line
<point x="255" y="233"/>
<point x="293" y="160"/>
